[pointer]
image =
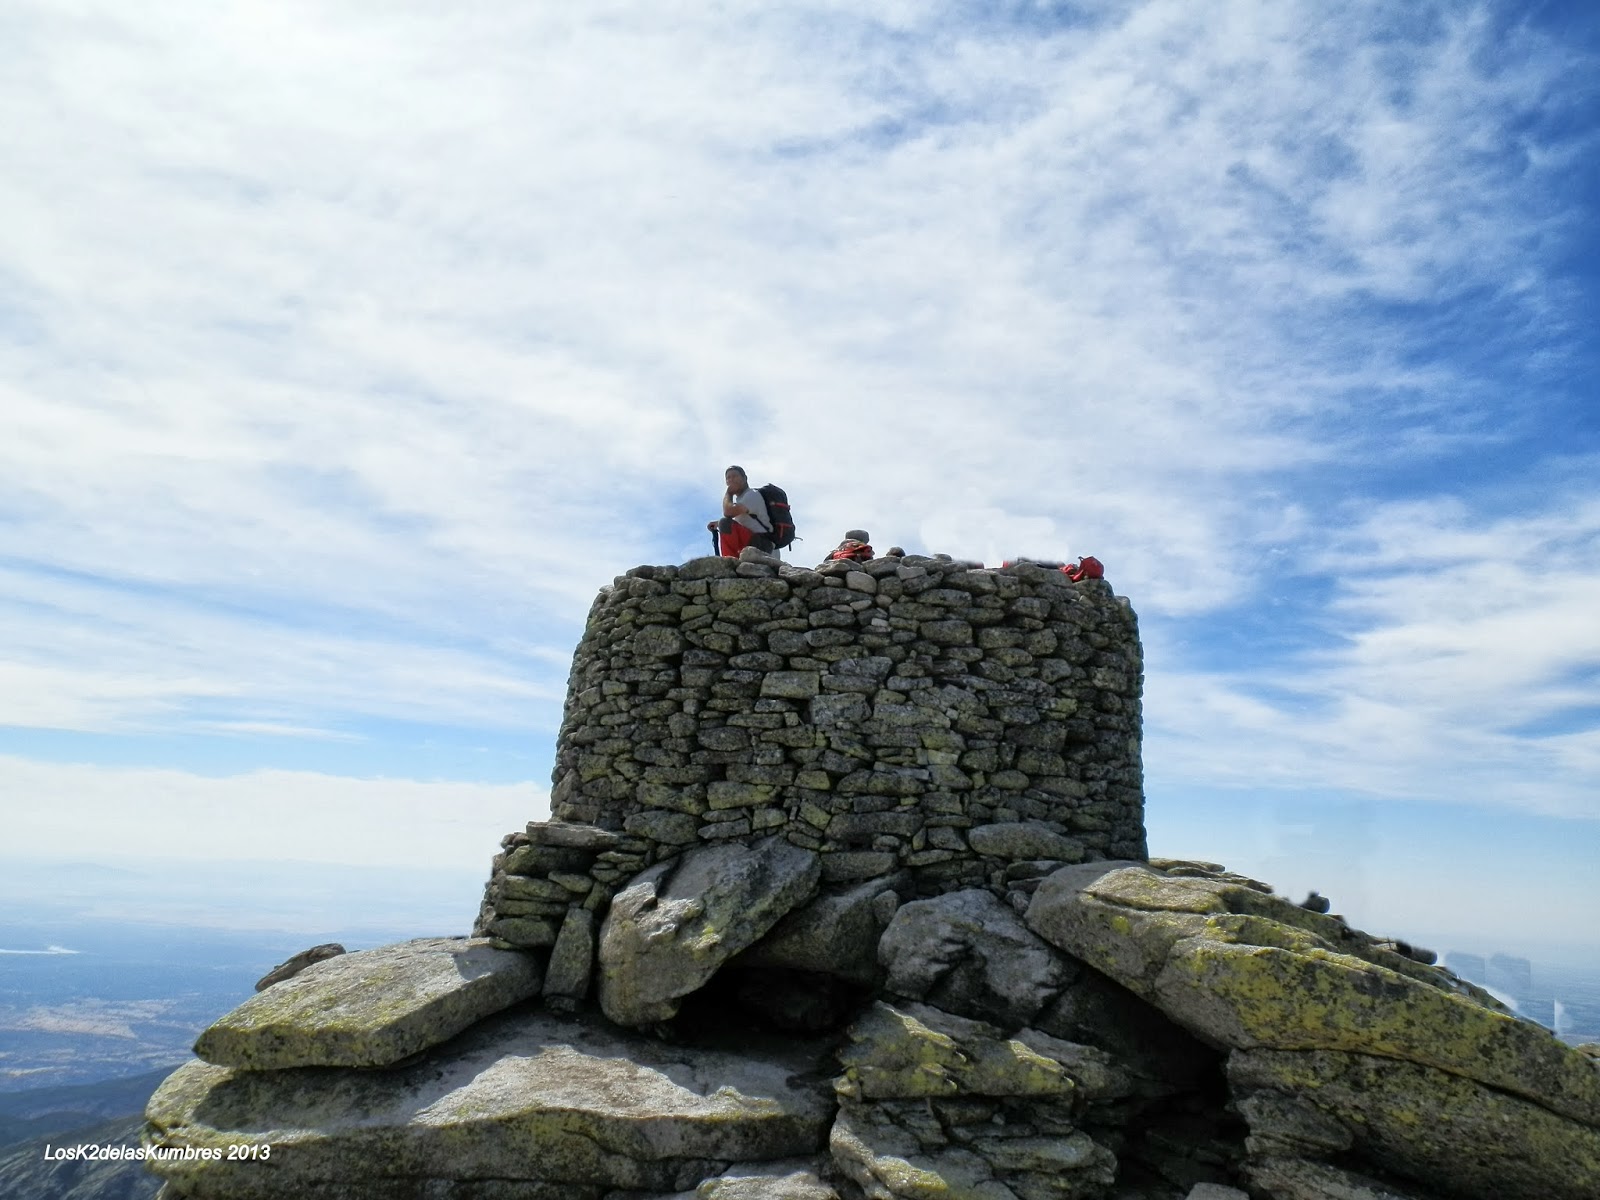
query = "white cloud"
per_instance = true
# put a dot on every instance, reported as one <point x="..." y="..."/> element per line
<point x="71" y="812"/>
<point x="88" y="658"/>
<point x="343" y="351"/>
<point x="1462" y="664"/>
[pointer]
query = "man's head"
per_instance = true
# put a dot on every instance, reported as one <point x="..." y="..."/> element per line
<point x="736" y="478"/>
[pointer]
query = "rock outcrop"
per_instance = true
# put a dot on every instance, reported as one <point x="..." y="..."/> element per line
<point x="1337" y="1045"/>
<point x="783" y="998"/>
<point x="1140" y="1033"/>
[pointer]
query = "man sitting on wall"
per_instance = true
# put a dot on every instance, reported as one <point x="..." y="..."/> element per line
<point x="744" y="517"/>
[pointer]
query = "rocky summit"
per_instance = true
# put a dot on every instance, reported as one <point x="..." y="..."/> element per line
<point x="844" y="897"/>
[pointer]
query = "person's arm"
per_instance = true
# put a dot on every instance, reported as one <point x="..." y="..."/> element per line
<point x="730" y="507"/>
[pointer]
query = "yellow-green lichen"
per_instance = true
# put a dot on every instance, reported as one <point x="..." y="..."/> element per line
<point x="1246" y="996"/>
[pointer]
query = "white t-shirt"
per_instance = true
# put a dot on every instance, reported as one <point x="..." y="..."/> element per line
<point x="756" y="519"/>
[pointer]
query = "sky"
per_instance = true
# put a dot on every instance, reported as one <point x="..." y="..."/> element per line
<point x="347" y="350"/>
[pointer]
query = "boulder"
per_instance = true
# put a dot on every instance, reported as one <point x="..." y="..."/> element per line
<point x="1244" y="969"/>
<point x="935" y="1105"/>
<point x="1453" y="1133"/>
<point x="673" y="925"/>
<point x="835" y="934"/>
<point x="371" y="1008"/>
<point x="529" y="1104"/>
<point x="891" y="1163"/>
<point x="968" y="953"/>
<point x="911" y="1051"/>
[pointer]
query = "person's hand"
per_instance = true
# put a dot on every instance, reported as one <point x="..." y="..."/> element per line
<point x="712" y="526"/>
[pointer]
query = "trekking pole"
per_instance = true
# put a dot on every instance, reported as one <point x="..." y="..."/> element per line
<point x="716" y="546"/>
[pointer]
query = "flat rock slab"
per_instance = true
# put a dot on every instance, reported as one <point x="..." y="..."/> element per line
<point x="1303" y="1179"/>
<point x="914" y="1051"/>
<point x="292" y="966"/>
<point x="890" y="1161"/>
<point x="524" y="1103"/>
<point x="1247" y="970"/>
<point x="1025" y="839"/>
<point x="671" y="928"/>
<point x="797" y="1179"/>
<point x="1448" y="1133"/>
<point x="793" y="1185"/>
<point x="372" y="1008"/>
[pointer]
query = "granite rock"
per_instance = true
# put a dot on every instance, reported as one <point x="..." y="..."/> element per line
<point x="837" y="933"/>
<point x="1025" y="840"/>
<point x="371" y="1008"/>
<point x="525" y="1099"/>
<point x="1451" y="1132"/>
<point x="1246" y="970"/>
<point x="968" y="953"/>
<point x="671" y="928"/>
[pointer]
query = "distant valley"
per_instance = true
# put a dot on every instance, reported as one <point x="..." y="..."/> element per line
<point x="83" y="1001"/>
<point x="25" y="1174"/>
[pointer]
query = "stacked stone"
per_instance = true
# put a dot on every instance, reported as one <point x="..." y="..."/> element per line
<point x="547" y="873"/>
<point x="963" y="726"/>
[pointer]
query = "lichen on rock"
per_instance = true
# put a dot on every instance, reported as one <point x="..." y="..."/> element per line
<point x="372" y="1008"/>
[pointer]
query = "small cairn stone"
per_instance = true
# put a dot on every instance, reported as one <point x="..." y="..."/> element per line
<point x="293" y="965"/>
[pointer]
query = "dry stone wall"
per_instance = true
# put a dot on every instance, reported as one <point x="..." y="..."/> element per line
<point x="926" y="719"/>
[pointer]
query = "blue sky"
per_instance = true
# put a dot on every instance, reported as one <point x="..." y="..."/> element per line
<point x="344" y="354"/>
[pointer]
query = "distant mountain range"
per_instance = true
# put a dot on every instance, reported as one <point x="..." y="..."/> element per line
<point x="43" y="1112"/>
<point x="25" y="1173"/>
<point x="94" y="1014"/>
<point x="108" y="1113"/>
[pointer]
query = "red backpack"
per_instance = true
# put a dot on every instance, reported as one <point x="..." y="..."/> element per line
<point x="852" y="549"/>
<point x="1088" y="567"/>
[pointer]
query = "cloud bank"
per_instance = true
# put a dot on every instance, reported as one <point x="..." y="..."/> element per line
<point x="343" y="355"/>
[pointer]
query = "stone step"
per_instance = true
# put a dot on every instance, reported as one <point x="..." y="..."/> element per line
<point x="527" y="1100"/>
<point x="372" y="1008"/>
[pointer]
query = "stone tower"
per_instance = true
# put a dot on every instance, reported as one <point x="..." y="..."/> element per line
<point x="926" y="719"/>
